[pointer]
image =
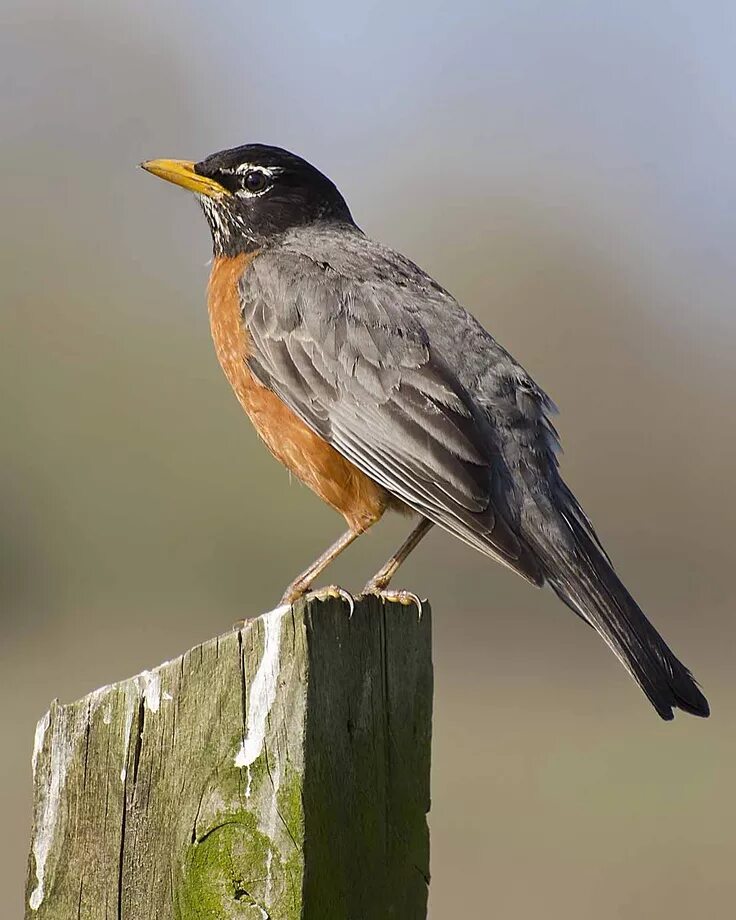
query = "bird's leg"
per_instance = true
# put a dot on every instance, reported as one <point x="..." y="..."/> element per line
<point x="302" y="583"/>
<point x="383" y="576"/>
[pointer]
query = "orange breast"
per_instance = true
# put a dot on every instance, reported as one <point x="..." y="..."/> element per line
<point x="311" y="459"/>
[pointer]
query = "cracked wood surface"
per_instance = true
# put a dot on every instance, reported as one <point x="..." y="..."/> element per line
<point x="278" y="771"/>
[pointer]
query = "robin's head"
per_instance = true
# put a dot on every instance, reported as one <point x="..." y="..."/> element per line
<point x="252" y="194"/>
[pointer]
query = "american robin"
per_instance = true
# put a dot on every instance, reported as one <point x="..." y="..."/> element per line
<point x="373" y="386"/>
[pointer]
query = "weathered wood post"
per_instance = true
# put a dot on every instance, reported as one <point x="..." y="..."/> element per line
<point x="279" y="771"/>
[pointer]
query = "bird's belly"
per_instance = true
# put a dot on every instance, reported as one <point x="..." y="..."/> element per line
<point x="310" y="458"/>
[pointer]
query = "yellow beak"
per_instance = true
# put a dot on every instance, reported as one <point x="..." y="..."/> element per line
<point x="181" y="172"/>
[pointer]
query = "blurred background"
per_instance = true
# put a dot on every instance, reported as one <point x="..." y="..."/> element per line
<point x="567" y="170"/>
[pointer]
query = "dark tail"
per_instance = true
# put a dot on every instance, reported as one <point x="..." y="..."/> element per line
<point x="582" y="576"/>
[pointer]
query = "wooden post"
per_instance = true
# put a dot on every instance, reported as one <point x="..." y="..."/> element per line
<point x="279" y="771"/>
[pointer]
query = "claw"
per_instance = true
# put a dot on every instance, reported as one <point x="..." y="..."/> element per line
<point x="336" y="591"/>
<point x="400" y="597"/>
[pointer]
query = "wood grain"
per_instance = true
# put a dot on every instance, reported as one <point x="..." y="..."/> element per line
<point x="278" y="771"/>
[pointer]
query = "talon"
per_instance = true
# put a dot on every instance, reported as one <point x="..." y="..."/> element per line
<point x="336" y="591"/>
<point x="351" y="603"/>
<point x="400" y="597"/>
<point x="406" y="598"/>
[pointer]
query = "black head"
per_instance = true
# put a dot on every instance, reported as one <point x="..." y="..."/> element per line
<point x="250" y="195"/>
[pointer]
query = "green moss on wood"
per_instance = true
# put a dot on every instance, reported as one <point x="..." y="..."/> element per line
<point x="290" y="806"/>
<point x="237" y="869"/>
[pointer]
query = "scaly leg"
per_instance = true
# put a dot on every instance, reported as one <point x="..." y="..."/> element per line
<point x="383" y="576"/>
<point x="302" y="583"/>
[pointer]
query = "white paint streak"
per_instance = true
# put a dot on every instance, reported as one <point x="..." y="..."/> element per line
<point x="67" y="728"/>
<point x="269" y="877"/>
<point x="41" y="729"/>
<point x="147" y="684"/>
<point x="262" y="690"/>
<point x="151" y="681"/>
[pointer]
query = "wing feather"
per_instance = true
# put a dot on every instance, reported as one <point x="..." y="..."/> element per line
<point x="360" y="372"/>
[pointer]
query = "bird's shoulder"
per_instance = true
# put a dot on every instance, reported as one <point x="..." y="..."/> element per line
<point x="319" y="274"/>
<point x="334" y="277"/>
<point x="354" y="256"/>
<point x="352" y="306"/>
<point x="342" y="268"/>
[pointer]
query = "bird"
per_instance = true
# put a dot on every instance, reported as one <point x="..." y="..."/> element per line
<point x="379" y="391"/>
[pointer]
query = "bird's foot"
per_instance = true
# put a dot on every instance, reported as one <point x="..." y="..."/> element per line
<point x="295" y="590"/>
<point x="331" y="591"/>
<point x="406" y="598"/>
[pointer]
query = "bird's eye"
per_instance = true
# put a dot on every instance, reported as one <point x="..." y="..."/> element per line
<point x="255" y="180"/>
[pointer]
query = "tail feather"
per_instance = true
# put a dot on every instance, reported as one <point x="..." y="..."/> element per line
<point x="578" y="570"/>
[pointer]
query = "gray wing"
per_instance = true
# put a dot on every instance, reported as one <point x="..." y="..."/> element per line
<point x="352" y="360"/>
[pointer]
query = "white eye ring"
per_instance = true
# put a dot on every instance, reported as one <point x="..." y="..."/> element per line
<point x="246" y="170"/>
<point x="256" y="181"/>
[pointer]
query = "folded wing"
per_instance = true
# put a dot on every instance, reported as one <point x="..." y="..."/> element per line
<point x="351" y="361"/>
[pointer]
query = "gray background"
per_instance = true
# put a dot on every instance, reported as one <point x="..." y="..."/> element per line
<point x="567" y="170"/>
